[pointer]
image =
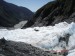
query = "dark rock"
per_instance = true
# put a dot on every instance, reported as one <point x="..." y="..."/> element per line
<point x="36" y="29"/>
<point x="2" y="41"/>
<point x="11" y="14"/>
<point x="54" y="12"/>
<point x="11" y="48"/>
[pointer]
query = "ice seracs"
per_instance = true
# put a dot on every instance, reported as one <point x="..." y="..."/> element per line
<point x="47" y="38"/>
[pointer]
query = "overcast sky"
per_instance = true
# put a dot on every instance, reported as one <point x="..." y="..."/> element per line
<point x="33" y="5"/>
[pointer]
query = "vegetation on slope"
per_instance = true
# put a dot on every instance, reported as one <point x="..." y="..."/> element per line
<point x="54" y="12"/>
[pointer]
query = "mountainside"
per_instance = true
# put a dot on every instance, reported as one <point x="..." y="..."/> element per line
<point x="11" y="14"/>
<point x="54" y="12"/>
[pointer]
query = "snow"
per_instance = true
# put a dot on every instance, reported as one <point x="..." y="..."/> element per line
<point x="46" y="38"/>
<point x="71" y="53"/>
<point x="20" y="24"/>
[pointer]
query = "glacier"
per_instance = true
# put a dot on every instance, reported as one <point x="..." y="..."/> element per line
<point x="46" y="37"/>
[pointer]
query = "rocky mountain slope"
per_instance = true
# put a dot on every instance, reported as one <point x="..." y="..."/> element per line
<point x="10" y="48"/>
<point x="11" y="14"/>
<point x="54" y="12"/>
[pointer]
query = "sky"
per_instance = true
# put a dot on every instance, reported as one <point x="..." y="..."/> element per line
<point x="33" y="5"/>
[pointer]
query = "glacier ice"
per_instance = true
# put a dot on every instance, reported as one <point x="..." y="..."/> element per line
<point x="46" y="38"/>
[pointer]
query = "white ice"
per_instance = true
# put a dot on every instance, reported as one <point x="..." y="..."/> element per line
<point x="46" y="38"/>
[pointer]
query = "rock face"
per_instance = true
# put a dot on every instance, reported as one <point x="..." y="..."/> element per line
<point x="10" y="48"/>
<point x="11" y="14"/>
<point x="54" y="12"/>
